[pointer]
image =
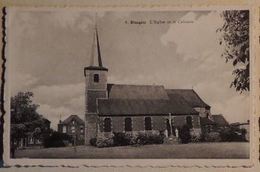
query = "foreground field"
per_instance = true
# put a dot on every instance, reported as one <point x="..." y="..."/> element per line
<point x="200" y="150"/>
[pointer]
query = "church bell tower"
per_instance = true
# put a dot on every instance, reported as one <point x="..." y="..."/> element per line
<point x="96" y="87"/>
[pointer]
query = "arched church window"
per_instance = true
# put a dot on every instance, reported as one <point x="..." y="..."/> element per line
<point x="189" y="121"/>
<point x="107" y="125"/>
<point x="148" y="123"/>
<point x="128" y="124"/>
<point x="96" y="78"/>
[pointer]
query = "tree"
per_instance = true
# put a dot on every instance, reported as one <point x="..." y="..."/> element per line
<point x="25" y="119"/>
<point x="235" y="37"/>
<point x="22" y="108"/>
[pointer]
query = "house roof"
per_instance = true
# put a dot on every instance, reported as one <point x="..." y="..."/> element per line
<point x="73" y="117"/>
<point x="220" y="120"/>
<point x="142" y="107"/>
<point x="143" y="92"/>
<point x="206" y="121"/>
<point x="189" y="95"/>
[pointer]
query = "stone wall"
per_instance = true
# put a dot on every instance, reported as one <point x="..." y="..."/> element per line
<point x="90" y="127"/>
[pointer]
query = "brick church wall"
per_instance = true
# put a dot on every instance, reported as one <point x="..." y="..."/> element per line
<point x="159" y="122"/>
<point x="138" y="122"/>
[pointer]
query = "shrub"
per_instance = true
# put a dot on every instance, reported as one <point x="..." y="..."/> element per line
<point x="120" y="139"/>
<point x="104" y="142"/>
<point x="93" y="142"/>
<point x="130" y="139"/>
<point x="232" y="134"/>
<point x="56" y="139"/>
<point x="195" y="137"/>
<point x="185" y="134"/>
<point x="123" y="139"/>
<point x="156" y="139"/>
<point x="149" y="138"/>
<point x="212" y="137"/>
<point x="141" y="139"/>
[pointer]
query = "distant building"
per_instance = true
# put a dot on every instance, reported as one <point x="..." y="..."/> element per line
<point x="220" y="120"/>
<point x="134" y="108"/>
<point x="73" y="126"/>
<point x="213" y="123"/>
<point x="244" y="126"/>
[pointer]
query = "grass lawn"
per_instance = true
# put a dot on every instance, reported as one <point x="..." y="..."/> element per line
<point x="192" y="150"/>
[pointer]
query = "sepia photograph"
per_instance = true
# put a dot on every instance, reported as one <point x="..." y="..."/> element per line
<point x="158" y="84"/>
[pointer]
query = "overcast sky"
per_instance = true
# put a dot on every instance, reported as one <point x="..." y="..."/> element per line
<point x="48" y="49"/>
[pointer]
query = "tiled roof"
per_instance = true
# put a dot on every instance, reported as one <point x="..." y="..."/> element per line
<point x="148" y="99"/>
<point x="206" y="121"/>
<point x="73" y="117"/>
<point x="220" y="120"/>
<point x="142" y="107"/>
<point x="143" y="92"/>
<point x="189" y="95"/>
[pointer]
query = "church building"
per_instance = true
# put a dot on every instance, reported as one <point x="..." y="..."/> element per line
<point x="134" y="108"/>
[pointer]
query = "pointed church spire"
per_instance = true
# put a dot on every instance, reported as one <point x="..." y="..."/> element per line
<point x="98" y="50"/>
<point x="95" y="58"/>
<point x="92" y="51"/>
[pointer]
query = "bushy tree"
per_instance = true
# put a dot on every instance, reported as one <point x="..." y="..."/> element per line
<point x="185" y="135"/>
<point x="22" y="108"/>
<point x="235" y="37"/>
<point x="25" y="118"/>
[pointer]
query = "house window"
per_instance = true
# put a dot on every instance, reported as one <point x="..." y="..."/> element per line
<point x="81" y="129"/>
<point x="73" y="122"/>
<point x="64" y="129"/>
<point x="96" y="78"/>
<point x="148" y="123"/>
<point x="107" y="125"/>
<point x="189" y="121"/>
<point x="73" y="129"/>
<point x="128" y="124"/>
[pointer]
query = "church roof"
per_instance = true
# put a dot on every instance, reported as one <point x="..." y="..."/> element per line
<point x="145" y="92"/>
<point x="189" y="95"/>
<point x="142" y="100"/>
<point x="73" y="117"/>
<point x="142" y="107"/>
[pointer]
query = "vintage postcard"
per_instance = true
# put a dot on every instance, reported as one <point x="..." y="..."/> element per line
<point x="161" y="87"/>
